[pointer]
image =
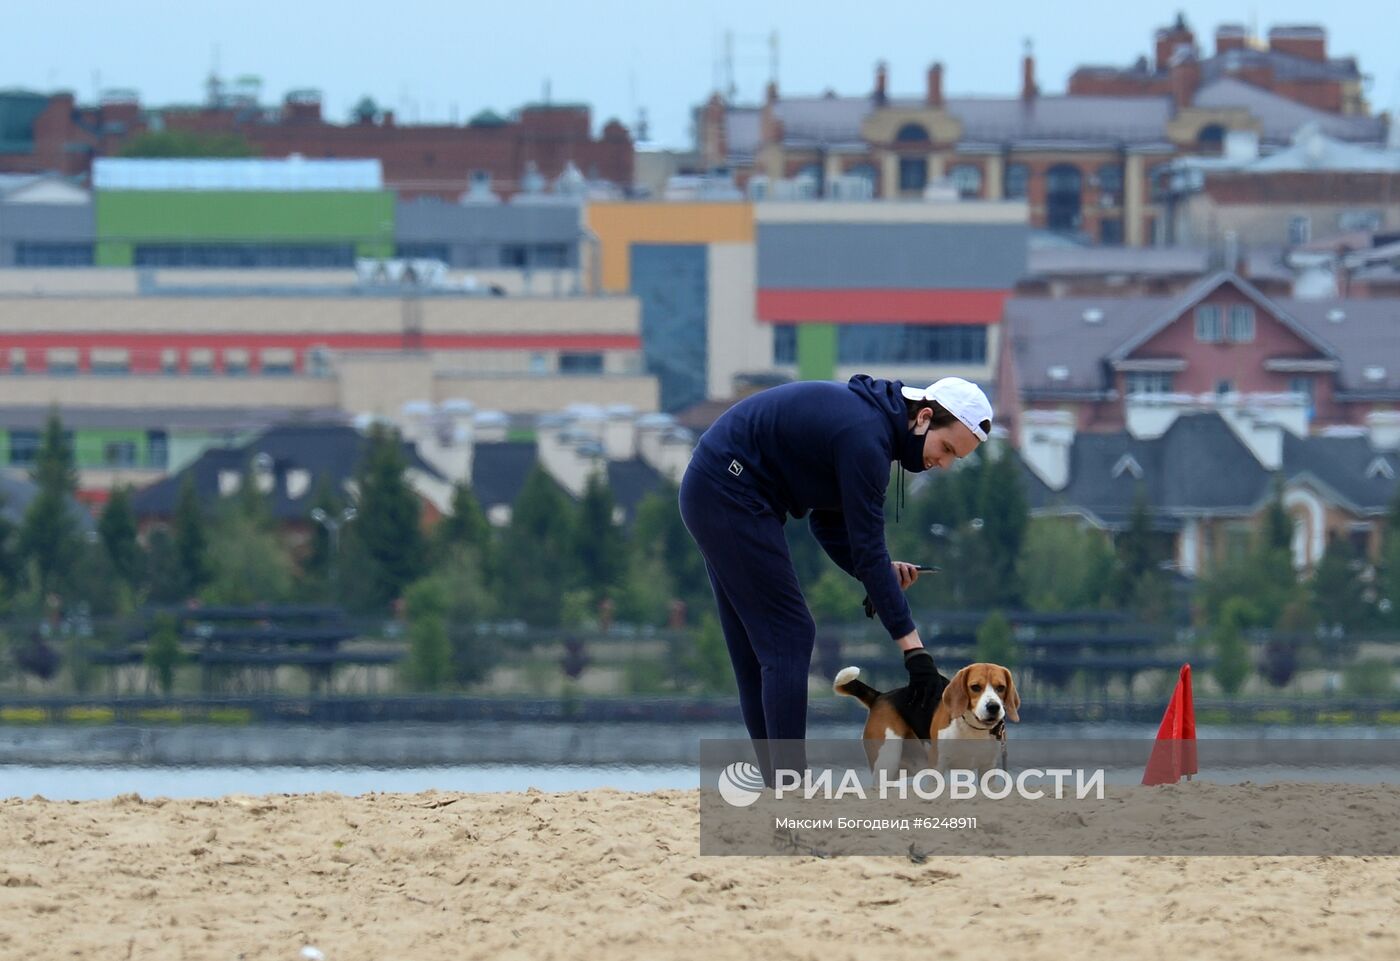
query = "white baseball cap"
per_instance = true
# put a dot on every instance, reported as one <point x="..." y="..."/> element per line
<point x="961" y="398"/>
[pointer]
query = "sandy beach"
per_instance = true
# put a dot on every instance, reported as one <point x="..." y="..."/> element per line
<point x="617" y="875"/>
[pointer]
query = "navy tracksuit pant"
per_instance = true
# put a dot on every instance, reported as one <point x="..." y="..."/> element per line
<point x="767" y="627"/>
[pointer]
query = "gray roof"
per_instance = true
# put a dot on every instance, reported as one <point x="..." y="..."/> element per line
<point x="1074" y="261"/>
<point x="1200" y="467"/>
<point x="330" y="453"/>
<point x="16" y="493"/>
<point x="1047" y="333"/>
<point x="1282" y="117"/>
<point x="499" y="471"/>
<point x="1045" y="120"/>
<point x="1285" y="66"/>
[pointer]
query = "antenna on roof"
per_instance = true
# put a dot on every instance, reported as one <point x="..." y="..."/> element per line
<point x="729" y="88"/>
<point x="773" y="56"/>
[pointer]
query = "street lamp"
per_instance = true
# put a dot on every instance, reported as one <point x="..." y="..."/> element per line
<point x="333" y="523"/>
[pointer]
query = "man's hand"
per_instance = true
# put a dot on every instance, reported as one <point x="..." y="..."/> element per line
<point x="906" y="573"/>
<point x="923" y="678"/>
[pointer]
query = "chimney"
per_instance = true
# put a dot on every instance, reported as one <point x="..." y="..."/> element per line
<point x="770" y="93"/>
<point x="935" y="86"/>
<point x="388" y="120"/>
<point x="1228" y="37"/>
<point x="1169" y="39"/>
<point x="1047" y="436"/>
<point x="620" y="433"/>
<point x="1384" y="429"/>
<point x="1028" y="90"/>
<point x="1306" y="41"/>
<point x="1185" y="76"/>
<point x="881" y="76"/>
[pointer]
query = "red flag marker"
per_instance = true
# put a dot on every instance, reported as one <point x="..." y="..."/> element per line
<point x="1174" y="753"/>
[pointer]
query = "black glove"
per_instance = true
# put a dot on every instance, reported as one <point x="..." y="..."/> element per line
<point x="923" y="680"/>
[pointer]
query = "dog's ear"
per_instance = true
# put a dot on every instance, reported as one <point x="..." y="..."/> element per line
<point x="1013" y="700"/>
<point x="955" y="697"/>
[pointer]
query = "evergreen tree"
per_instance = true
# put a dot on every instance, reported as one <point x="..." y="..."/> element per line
<point x="1276" y="531"/>
<point x="996" y="644"/>
<point x="117" y="528"/>
<point x="165" y="580"/>
<point x="1005" y="517"/>
<point x="429" y="650"/>
<point x="598" y="542"/>
<point x="317" y="566"/>
<point x="1232" y="664"/>
<point x="1064" y="566"/>
<point x="11" y="566"/>
<point x="537" y="563"/>
<point x="49" y="536"/>
<point x="191" y="542"/>
<point x="466" y="526"/>
<point x="660" y="538"/>
<point x="388" y="526"/>
<point x="163" y="652"/>
<point x="1336" y="587"/>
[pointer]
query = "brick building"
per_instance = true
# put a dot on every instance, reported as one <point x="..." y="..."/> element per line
<point x="53" y="133"/>
<point x="1292" y="63"/>
<point x="1087" y="162"/>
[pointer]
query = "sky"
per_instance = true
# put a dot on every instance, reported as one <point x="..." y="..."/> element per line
<point x="436" y="60"/>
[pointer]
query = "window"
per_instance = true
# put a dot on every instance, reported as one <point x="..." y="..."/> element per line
<point x="1018" y="177"/>
<point x="17" y="360"/>
<point x="784" y="343"/>
<point x="61" y="361"/>
<point x="1224" y="386"/>
<point x="424" y="251"/>
<point x="110" y="360"/>
<point x="1110" y="180"/>
<point x="1299" y="230"/>
<point x="30" y="254"/>
<point x="1148" y="382"/>
<point x="581" y="363"/>
<point x="119" y="453"/>
<point x="1111" y="231"/>
<point x="202" y="361"/>
<point x="24" y="447"/>
<point x="911" y="343"/>
<point x="535" y="255"/>
<point x="157" y="449"/>
<point x="244" y="255"/>
<point x="1241" y="324"/>
<point x="913" y="173"/>
<point x="169" y="361"/>
<point x="911" y="133"/>
<point x="539" y="364"/>
<point x="277" y="362"/>
<point x="1208" y="324"/>
<point x="1302" y="385"/>
<point x="967" y="178"/>
<point x="236" y="361"/>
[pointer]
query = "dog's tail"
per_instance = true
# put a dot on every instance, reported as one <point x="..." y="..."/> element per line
<point x="847" y="684"/>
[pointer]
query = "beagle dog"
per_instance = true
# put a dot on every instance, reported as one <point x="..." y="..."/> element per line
<point x="975" y="707"/>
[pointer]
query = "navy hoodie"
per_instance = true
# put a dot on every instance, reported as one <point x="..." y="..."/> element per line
<point x="822" y="448"/>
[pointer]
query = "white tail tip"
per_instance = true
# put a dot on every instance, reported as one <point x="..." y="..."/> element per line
<point x="844" y="676"/>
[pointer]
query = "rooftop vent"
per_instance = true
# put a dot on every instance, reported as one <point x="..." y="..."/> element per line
<point x="1093" y="316"/>
<point x="1058" y="372"/>
<point x="1336" y="315"/>
<point x="1374" y="374"/>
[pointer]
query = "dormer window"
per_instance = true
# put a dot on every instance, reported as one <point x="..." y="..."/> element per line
<point x="1127" y="464"/>
<point x="1380" y="467"/>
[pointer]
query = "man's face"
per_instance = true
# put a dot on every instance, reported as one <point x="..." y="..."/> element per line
<point x="946" y="444"/>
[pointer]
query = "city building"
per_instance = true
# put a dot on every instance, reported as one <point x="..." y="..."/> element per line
<point x="1208" y="473"/>
<point x="53" y="133"/>
<point x="1315" y="188"/>
<point x="911" y="289"/>
<point x="1104" y="361"/>
<point x="1087" y="161"/>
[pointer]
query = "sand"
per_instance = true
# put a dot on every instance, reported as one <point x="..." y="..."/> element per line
<point x="607" y="874"/>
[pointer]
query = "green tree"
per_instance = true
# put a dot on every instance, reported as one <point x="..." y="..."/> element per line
<point x="429" y="649"/>
<point x="117" y="528"/>
<point x="191" y="542"/>
<point x="659" y="536"/>
<point x="1001" y="503"/>
<point x="465" y="527"/>
<point x="598" y="544"/>
<point x="537" y="561"/>
<point x="1232" y="664"/>
<point x="388" y="528"/>
<point x="49" y="536"/>
<point x="1137" y="551"/>
<point x="11" y="564"/>
<point x="1064" y="566"/>
<point x="248" y="565"/>
<point x="163" y="652"/>
<point x="164" y="578"/>
<point x="1276" y="531"/>
<point x="709" y="658"/>
<point x="184" y="143"/>
<point x="996" y="644"/>
<point x="1337" y="588"/>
